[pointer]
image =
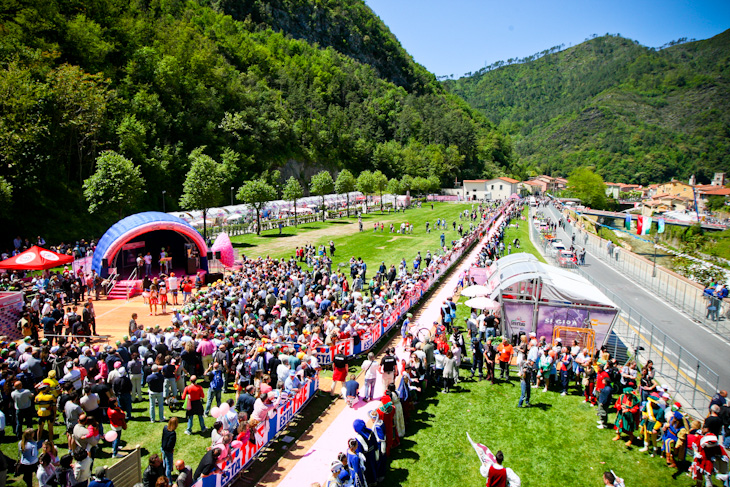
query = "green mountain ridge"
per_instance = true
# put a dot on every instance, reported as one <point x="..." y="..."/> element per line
<point x="285" y="85"/>
<point x="635" y="114"/>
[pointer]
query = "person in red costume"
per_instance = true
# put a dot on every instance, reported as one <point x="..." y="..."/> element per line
<point x="386" y="413"/>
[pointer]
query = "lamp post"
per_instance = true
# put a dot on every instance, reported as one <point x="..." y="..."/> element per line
<point x="232" y="188"/>
<point x="163" y="200"/>
<point x="656" y="241"/>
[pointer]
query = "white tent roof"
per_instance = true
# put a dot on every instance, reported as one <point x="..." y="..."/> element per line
<point x="557" y="284"/>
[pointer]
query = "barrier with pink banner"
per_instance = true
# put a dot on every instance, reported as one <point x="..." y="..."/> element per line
<point x="443" y="197"/>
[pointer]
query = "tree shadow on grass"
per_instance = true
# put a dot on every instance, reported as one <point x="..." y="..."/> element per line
<point x="278" y="235"/>
<point x="242" y="245"/>
<point x="540" y="405"/>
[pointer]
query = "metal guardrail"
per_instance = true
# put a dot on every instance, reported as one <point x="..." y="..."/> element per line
<point x="634" y="336"/>
<point x="104" y="338"/>
<point x="684" y="295"/>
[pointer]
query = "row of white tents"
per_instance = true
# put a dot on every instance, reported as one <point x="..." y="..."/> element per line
<point x="281" y="208"/>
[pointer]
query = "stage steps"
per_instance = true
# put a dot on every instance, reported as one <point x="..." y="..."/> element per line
<point x="119" y="291"/>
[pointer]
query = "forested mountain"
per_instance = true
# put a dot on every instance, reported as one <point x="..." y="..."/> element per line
<point x="293" y="85"/>
<point x="635" y="114"/>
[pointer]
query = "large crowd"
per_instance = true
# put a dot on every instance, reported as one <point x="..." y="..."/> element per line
<point x="254" y="332"/>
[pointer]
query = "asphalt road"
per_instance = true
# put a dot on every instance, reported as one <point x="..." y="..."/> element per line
<point x="712" y="350"/>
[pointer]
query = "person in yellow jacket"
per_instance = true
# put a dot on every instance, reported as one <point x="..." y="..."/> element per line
<point x="53" y="385"/>
<point x="652" y="417"/>
<point x="46" y="408"/>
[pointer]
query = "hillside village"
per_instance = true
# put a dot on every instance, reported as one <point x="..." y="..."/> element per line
<point x="673" y="196"/>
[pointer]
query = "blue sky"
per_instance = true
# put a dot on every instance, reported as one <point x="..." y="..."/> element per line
<point x="460" y="36"/>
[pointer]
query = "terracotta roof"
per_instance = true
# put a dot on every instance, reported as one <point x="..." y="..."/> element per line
<point x="476" y="180"/>
<point x="535" y="183"/>
<point x="670" y="197"/>
<point x="509" y="180"/>
<point x="613" y="184"/>
<point x="717" y="191"/>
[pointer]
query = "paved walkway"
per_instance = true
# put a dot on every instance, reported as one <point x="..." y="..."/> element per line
<point x="313" y="465"/>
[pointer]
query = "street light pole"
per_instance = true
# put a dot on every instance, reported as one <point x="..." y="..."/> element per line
<point x="232" y="188"/>
<point x="163" y="200"/>
<point x="656" y="241"/>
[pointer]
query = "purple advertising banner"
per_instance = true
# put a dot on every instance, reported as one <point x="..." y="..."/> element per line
<point x="518" y="317"/>
<point x="588" y="326"/>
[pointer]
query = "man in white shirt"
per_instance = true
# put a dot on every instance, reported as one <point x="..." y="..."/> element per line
<point x="370" y="368"/>
<point x="173" y="284"/>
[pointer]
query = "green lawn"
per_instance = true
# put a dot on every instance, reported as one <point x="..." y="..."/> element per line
<point x="522" y="233"/>
<point x="373" y="247"/>
<point x="555" y="443"/>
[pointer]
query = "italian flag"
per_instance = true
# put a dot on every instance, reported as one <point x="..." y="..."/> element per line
<point x="643" y="225"/>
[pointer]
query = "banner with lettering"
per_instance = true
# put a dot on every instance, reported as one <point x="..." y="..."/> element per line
<point x="240" y="457"/>
<point x="518" y="317"/>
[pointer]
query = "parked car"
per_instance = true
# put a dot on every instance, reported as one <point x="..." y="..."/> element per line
<point x="566" y="258"/>
<point x="555" y="247"/>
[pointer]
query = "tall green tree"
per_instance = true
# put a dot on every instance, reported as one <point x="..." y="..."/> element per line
<point x="420" y="185"/>
<point x="380" y="184"/>
<point x="6" y="196"/>
<point x="116" y="185"/>
<point x="345" y="183"/>
<point x="292" y="192"/>
<point x="395" y="186"/>
<point x="365" y="184"/>
<point x="203" y="185"/>
<point x="406" y="183"/>
<point x="588" y="187"/>
<point x="256" y="193"/>
<point x="321" y="185"/>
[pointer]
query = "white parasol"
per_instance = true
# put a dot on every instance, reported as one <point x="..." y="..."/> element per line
<point x="474" y="291"/>
<point x="482" y="302"/>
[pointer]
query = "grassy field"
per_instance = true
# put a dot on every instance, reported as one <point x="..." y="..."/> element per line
<point x="554" y="443"/>
<point x="373" y="247"/>
<point x="522" y="233"/>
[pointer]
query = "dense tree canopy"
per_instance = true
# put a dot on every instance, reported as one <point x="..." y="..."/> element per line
<point x="155" y="80"/>
<point x="636" y="114"/>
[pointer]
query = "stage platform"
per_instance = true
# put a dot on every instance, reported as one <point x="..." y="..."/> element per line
<point x="126" y="288"/>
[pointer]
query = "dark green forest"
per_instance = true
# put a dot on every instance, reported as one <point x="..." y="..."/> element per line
<point x="297" y="86"/>
<point x="635" y="114"/>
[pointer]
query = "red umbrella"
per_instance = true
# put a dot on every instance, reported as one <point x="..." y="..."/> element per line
<point x="36" y="258"/>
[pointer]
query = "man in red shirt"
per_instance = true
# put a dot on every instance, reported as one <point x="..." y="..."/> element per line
<point x="505" y="350"/>
<point x="195" y="394"/>
<point x="497" y="475"/>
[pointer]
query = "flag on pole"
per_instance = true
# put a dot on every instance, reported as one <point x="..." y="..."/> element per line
<point x="627" y="222"/>
<point x="483" y="452"/>
<point x="660" y="225"/>
<point x="643" y="225"/>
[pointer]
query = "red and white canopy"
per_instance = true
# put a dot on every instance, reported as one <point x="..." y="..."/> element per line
<point x="36" y="258"/>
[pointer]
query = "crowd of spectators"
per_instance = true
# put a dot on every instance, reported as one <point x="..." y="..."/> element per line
<point x="255" y="332"/>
